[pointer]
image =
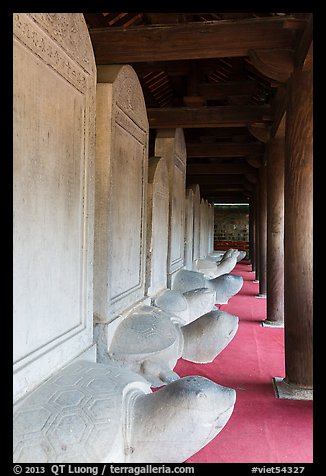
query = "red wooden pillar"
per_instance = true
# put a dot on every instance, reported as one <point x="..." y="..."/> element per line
<point x="298" y="227"/>
<point x="262" y="230"/>
<point x="275" y="233"/>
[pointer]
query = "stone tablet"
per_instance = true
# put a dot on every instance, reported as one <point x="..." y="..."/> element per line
<point x="157" y="225"/>
<point x="170" y="144"/>
<point x="54" y="79"/>
<point x="196" y="219"/>
<point x="210" y="228"/>
<point x="189" y="229"/>
<point x="121" y="187"/>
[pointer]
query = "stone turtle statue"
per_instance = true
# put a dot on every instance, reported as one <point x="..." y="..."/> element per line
<point x="225" y="286"/>
<point x="98" y="413"/>
<point x="151" y="341"/>
<point x="211" y="269"/>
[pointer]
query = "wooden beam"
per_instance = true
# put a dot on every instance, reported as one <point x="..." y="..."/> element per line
<point x="175" y="68"/>
<point x="304" y="53"/>
<point x="210" y="179"/>
<point x="274" y="63"/>
<point x="95" y="20"/>
<point x="222" y="168"/>
<point x="219" y="116"/>
<point x="220" y="181"/>
<point x="212" y="135"/>
<point x="221" y="91"/>
<point x="222" y="188"/>
<point x="162" y="18"/>
<point x="254" y="161"/>
<point x="192" y="40"/>
<point x="224" y="197"/>
<point x="224" y="149"/>
<point x="260" y="131"/>
<point x="302" y="60"/>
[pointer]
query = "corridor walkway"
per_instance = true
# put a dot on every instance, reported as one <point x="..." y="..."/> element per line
<point x="262" y="428"/>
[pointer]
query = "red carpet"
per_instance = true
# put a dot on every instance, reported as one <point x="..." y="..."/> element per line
<point x="262" y="428"/>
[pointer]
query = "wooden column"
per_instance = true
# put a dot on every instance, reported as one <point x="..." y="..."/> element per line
<point x="257" y="220"/>
<point x="262" y="230"/>
<point x="252" y="233"/>
<point x="298" y="226"/>
<point x="275" y="233"/>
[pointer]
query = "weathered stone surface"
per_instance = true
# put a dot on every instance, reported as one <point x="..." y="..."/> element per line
<point x="157" y="225"/>
<point x="122" y="336"/>
<point x="200" y="301"/>
<point x="149" y="343"/>
<point x="193" y="410"/>
<point x="54" y="78"/>
<point x="196" y="225"/>
<point x="76" y="416"/>
<point x="170" y="144"/>
<point x="212" y="270"/>
<point x="215" y="256"/>
<point x="189" y="229"/>
<point x="242" y="255"/>
<point x="225" y="286"/>
<point x="90" y="412"/>
<point x="189" y="305"/>
<point x="175" y="303"/>
<point x="203" y="241"/>
<point x="230" y="253"/>
<point x="96" y="413"/>
<point x="206" y="337"/>
<point x="210" y="228"/>
<point x="121" y="187"/>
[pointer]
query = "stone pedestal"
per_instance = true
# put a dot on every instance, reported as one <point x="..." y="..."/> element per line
<point x="288" y="391"/>
<point x="268" y="323"/>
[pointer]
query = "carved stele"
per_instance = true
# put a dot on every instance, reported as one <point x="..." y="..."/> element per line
<point x="196" y="244"/>
<point x="170" y="144"/>
<point x="121" y="181"/>
<point x="189" y="228"/>
<point x="211" y="228"/>
<point x="203" y="229"/>
<point x="54" y="149"/>
<point x="157" y="225"/>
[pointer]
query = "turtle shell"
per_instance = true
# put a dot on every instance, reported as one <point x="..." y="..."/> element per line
<point x="146" y="332"/>
<point x="76" y="415"/>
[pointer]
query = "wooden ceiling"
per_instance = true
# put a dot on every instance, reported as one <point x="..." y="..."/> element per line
<point x="220" y="76"/>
